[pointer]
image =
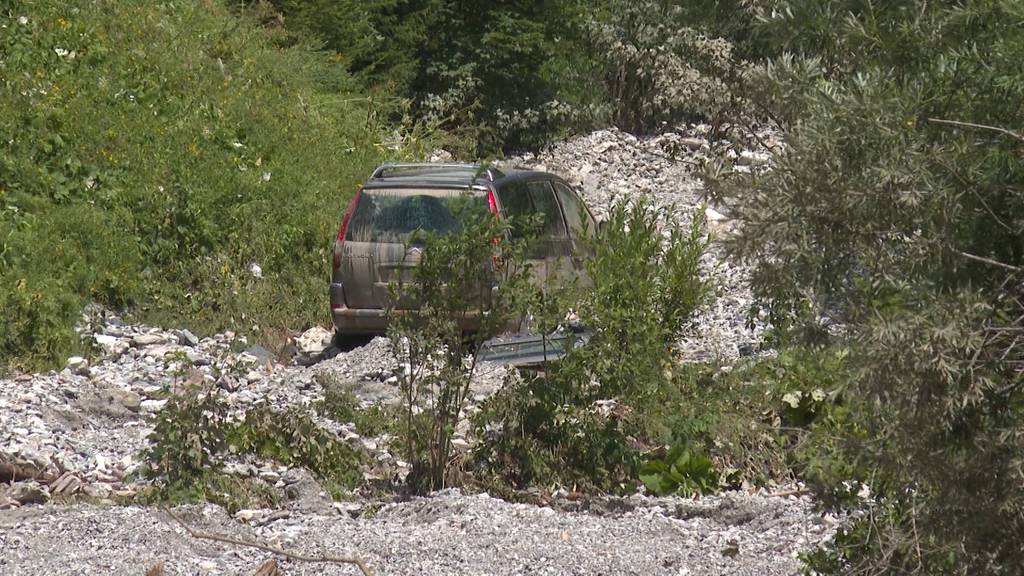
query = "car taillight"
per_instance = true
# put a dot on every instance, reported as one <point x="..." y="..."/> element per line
<point x="492" y="206"/>
<point x="343" y="228"/>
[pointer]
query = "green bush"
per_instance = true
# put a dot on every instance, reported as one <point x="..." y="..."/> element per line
<point x="771" y="420"/>
<point x="341" y="405"/>
<point x="543" y="432"/>
<point x="150" y="154"/>
<point x="188" y="439"/>
<point x="584" y="422"/>
<point x="895" y="212"/>
<point x="194" y="433"/>
<point x="292" y="438"/>
<point x="455" y="280"/>
<point x="660" y="66"/>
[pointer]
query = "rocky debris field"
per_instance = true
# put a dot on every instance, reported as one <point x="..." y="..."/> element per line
<point x="71" y="444"/>
<point x="81" y="430"/>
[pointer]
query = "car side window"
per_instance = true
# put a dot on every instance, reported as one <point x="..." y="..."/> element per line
<point x="516" y="205"/>
<point x="544" y="202"/>
<point x="581" y="224"/>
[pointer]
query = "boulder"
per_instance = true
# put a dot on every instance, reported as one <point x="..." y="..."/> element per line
<point x="78" y="365"/>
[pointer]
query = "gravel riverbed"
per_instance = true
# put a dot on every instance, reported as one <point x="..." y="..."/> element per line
<point x="448" y="533"/>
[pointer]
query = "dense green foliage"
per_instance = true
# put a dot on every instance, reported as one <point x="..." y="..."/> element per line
<point x="486" y="72"/>
<point x="149" y="154"/>
<point x="514" y="75"/>
<point x="897" y="211"/>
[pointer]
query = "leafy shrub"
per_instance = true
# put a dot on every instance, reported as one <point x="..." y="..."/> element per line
<point x="341" y="405"/>
<point x="188" y="439"/>
<point x="148" y="157"/>
<point x="292" y="438"/>
<point x="194" y="433"/>
<point x="582" y="422"/>
<point x="893" y="212"/>
<point x="541" y="432"/>
<point x="884" y="540"/>
<point x="659" y="67"/>
<point x="456" y="280"/>
<point x="742" y="417"/>
<point x="683" y="470"/>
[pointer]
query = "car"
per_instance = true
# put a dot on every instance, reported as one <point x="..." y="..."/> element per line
<point x="376" y="242"/>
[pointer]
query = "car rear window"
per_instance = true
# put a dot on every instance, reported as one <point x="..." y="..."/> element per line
<point x="394" y="215"/>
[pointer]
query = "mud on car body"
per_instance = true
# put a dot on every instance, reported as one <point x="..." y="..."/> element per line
<point x="377" y="239"/>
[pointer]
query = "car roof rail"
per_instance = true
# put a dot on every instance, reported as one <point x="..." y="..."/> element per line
<point x="395" y="169"/>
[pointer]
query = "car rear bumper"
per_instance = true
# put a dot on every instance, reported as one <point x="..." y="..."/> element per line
<point x="355" y="320"/>
<point x="374" y="321"/>
<point x="359" y="321"/>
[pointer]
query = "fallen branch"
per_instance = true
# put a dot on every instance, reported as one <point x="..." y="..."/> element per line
<point x="989" y="261"/>
<point x="1004" y="131"/>
<point x="272" y="549"/>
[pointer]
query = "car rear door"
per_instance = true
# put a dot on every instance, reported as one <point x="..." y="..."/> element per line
<point x="522" y="199"/>
<point x="580" y="223"/>
<point x="555" y="241"/>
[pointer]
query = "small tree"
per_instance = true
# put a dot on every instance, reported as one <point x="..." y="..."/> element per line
<point x="452" y="304"/>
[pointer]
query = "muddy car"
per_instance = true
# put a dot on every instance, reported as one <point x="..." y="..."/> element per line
<point x="376" y="243"/>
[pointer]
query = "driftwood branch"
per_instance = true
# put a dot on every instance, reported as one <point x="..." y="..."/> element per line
<point x="272" y="549"/>
<point x="1003" y="131"/>
<point x="989" y="261"/>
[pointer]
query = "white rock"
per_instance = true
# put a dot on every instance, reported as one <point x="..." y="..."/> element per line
<point x="105" y="340"/>
<point x="751" y="158"/>
<point x="249" y="515"/>
<point x="313" y="341"/>
<point x="142" y="340"/>
<point x="151" y="406"/>
<point x="188" y="338"/>
<point x="714" y="216"/>
<point x="693" y="143"/>
<point x="77" y="364"/>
